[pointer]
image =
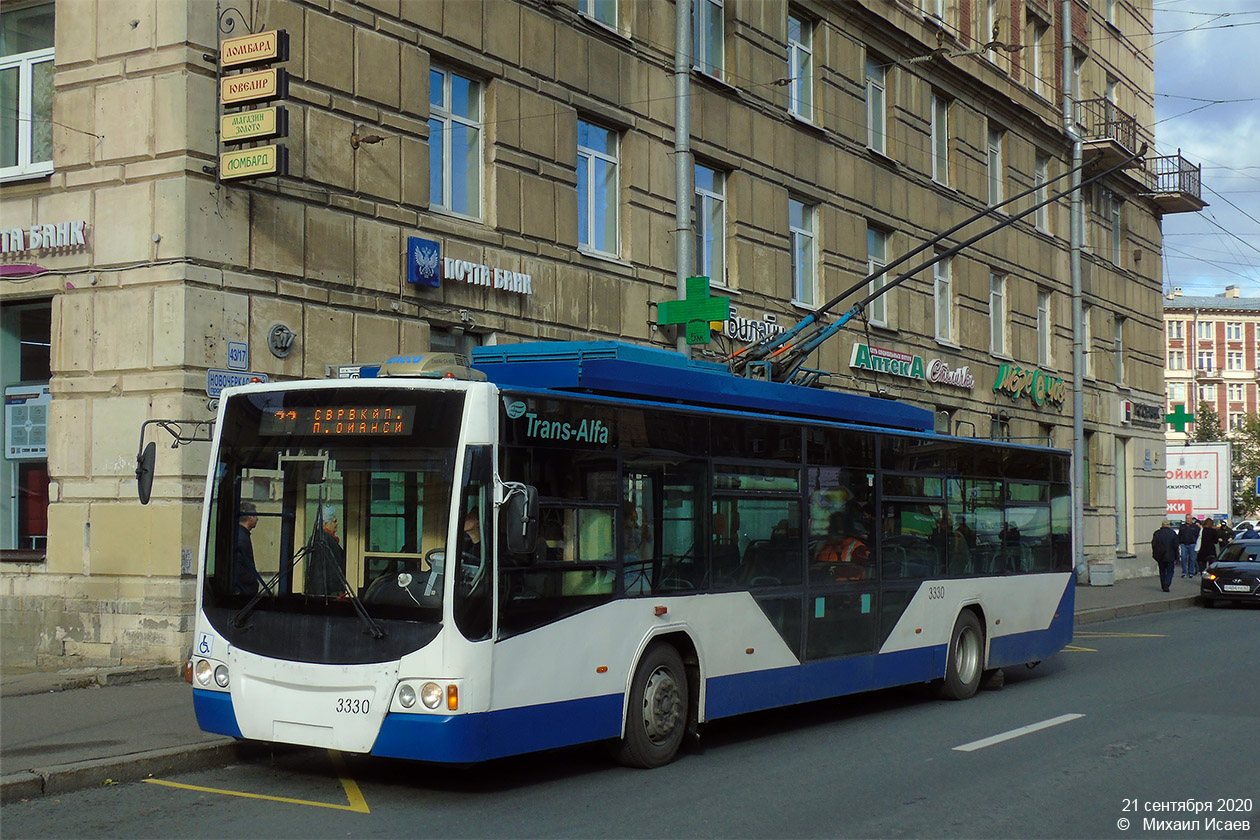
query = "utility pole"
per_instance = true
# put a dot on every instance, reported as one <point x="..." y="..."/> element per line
<point x="1075" y="232"/>
<point x="684" y="237"/>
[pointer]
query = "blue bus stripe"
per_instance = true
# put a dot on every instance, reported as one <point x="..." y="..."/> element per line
<point x="215" y="713"/>
<point x="478" y="737"/>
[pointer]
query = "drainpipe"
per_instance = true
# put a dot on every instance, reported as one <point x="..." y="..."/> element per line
<point x="1078" y="322"/>
<point x="684" y="237"/>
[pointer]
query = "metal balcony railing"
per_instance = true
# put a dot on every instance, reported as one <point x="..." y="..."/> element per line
<point x="1175" y="174"/>
<point x="1100" y="119"/>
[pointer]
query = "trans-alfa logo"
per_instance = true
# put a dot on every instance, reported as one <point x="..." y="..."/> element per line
<point x="516" y="409"/>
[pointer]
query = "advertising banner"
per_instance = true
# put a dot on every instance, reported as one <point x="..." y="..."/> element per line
<point x="1198" y="480"/>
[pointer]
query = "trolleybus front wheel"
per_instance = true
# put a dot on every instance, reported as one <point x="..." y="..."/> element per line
<point x="965" y="664"/>
<point x="656" y="719"/>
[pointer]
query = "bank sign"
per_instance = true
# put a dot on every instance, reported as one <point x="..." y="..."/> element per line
<point x="909" y="366"/>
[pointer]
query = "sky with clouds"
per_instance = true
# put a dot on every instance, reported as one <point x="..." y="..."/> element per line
<point x="1207" y="104"/>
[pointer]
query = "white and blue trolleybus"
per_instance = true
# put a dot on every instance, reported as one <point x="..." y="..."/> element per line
<point x="591" y="541"/>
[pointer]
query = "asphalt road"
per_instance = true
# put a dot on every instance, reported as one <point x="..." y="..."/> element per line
<point x="1169" y="717"/>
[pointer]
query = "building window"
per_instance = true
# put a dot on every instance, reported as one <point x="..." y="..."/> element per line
<point x="1176" y="360"/>
<point x="454" y="143"/>
<point x="877" y="258"/>
<point x="996" y="174"/>
<point x="597" y="188"/>
<point x="1122" y="493"/>
<point x="1236" y="391"/>
<point x="1206" y="359"/>
<point x="997" y="314"/>
<point x="707" y="36"/>
<point x="1233" y="330"/>
<point x="1000" y="426"/>
<point x="25" y="371"/>
<point x="1090" y="480"/>
<point x="940" y="139"/>
<point x="1176" y="329"/>
<point x="1118" y="349"/>
<point x="943" y="296"/>
<point x="1176" y="393"/>
<point x="1236" y="420"/>
<point x="1234" y="360"/>
<point x="1206" y="330"/>
<point x="1036" y="56"/>
<point x="1207" y="394"/>
<point x="26" y="91"/>
<point x="1087" y="339"/>
<point x="876" y="106"/>
<point x="709" y="221"/>
<point x="934" y="8"/>
<point x="603" y="11"/>
<point x="804" y="273"/>
<point x="801" y="66"/>
<point x="1045" y="328"/>
<point x="1041" y="218"/>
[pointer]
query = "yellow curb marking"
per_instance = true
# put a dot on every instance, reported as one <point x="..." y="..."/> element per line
<point x="353" y="795"/>
<point x="1075" y="649"/>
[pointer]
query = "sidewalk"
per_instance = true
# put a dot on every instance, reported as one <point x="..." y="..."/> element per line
<point x="62" y="731"/>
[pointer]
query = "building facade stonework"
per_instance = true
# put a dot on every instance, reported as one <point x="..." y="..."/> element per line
<point x="468" y="172"/>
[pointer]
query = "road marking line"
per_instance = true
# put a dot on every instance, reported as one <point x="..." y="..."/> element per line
<point x="353" y="795"/>
<point x="1078" y="649"/>
<point x="1016" y="733"/>
<point x="1087" y="634"/>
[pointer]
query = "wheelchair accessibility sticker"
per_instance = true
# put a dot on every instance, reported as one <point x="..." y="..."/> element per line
<point x="205" y="644"/>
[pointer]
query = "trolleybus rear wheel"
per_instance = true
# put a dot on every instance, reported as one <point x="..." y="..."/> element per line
<point x="965" y="664"/>
<point x="656" y="718"/>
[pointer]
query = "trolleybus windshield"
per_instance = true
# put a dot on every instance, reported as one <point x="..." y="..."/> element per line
<point x="328" y="521"/>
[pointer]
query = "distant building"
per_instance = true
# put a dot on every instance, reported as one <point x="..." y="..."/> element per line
<point x="1212" y="356"/>
<point x="466" y="172"/>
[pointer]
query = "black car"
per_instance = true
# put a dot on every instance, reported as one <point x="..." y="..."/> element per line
<point x="1234" y="575"/>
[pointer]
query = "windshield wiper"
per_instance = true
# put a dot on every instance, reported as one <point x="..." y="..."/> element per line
<point x="268" y="589"/>
<point x="373" y="628"/>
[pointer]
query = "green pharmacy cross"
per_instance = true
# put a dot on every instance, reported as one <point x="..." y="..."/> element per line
<point x="1179" y="417"/>
<point x="697" y="309"/>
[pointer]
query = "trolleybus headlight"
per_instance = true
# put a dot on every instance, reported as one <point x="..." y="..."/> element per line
<point x="407" y="696"/>
<point x="221" y="676"/>
<point x="203" y="671"/>
<point x="431" y="694"/>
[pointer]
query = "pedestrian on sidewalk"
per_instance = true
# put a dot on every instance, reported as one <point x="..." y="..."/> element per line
<point x="1208" y="541"/>
<point x="1188" y="538"/>
<point x="1164" y="550"/>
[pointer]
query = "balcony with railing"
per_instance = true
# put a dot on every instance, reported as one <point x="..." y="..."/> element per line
<point x="1175" y="184"/>
<point x="1107" y="130"/>
<point x="1170" y="182"/>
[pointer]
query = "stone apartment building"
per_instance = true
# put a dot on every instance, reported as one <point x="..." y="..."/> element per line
<point x="464" y="172"/>
<point x="1213" y="356"/>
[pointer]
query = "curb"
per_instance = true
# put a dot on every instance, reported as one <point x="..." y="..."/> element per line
<point x="1125" y="610"/>
<point x="81" y="775"/>
<point x="39" y="682"/>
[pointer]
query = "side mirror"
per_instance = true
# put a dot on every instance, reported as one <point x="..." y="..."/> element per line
<point x="521" y="519"/>
<point x="144" y="472"/>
